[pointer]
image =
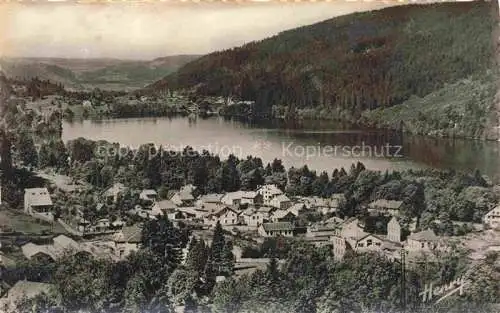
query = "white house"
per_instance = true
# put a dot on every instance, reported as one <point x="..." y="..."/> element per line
<point x="127" y="240"/>
<point x="226" y="216"/>
<point x="37" y="203"/>
<point x="281" y="202"/>
<point x="424" y="241"/>
<point x="252" y="217"/>
<point x="241" y="197"/>
<point x="385" y="207"/>
<point x="115" y="191"/>
<point x="283" y="216"/>
<point x="209" y="202"/>
<point x="492" y="218"/>
<point x="394" y="230"/>
<point x="266" y="211"/>
<point x="148" y="195"/>
<point x="163" y="207"/>
<point x="184" y="197"/>
<point x="297" y="208"/>
<point x="268" y="192"/>
<point x="284" y="229"/>
<point x="102" y="225"/>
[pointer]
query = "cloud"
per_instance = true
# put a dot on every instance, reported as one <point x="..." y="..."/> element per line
<point x="153" y="30"/>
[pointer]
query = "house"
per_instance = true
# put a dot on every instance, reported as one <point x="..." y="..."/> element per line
<point x="385" y="207"/>
<point x="268" y="192"/>
<point x="23" y="289"/>
<point x="394" y="230"/>
<point x="127" y="240"/>
<point x="322" y="229"/>
<point x="424" y="241"/>
<point x="163" y="207"/>
<point x="252" y="217"/>
<point x="297" y="208"/>
<point x="251" y="197"/>
<point x="350" y="228"/>
<point x="148" y="195"/>
<point x="266" y="211"/>
<point x="232" y="198"/>
<point x="42" y="252"/>
<point x="183" y="213"/>
<point x="112" y="194"/>
<point x="285" y="229"/>
<point x="369" y="242"/>
<point x="492" y="218"/>
<point x="226" y="216"/>
<point x="210" y="202"/>
<point x="320" y="241"/>
<point x="283" y="216"/>
<point x="184" y="197"/>
<point x="86" y="104"/>
<point x="102" y="225"/>
<point x="83" y="225"/>
<point x="281" y="202"/>
<point x="37" y="203"/>
<point x="61" y="245"/>
<point x="241" y="197"/>
<point x="346" y="236"/>
<point x="64" y="243"/>
<point x="364" y="242"/>
<point x="337" y="201"/>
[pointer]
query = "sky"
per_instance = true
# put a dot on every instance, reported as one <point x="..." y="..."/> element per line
<point x="155" y="29"/>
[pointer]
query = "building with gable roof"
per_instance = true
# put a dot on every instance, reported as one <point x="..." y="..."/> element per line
<point x="285" y="229"/>
<point x="127" y="240"/>
<point x="38" y="203"/>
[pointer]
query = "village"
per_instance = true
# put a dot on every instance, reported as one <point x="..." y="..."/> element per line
<point x="253" y="215"/>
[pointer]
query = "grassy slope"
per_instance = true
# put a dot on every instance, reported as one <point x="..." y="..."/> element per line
<point x="459" y="109"/>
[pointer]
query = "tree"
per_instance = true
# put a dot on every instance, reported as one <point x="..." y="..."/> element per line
<point x="83" y="282"/>
<point x="197" y="256"/>
<point x="163" y="239"/>
<point x="27" y="150"/>
<point x="181" y="284"/>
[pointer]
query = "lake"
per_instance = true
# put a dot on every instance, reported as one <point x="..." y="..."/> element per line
<point x="320" y="145"/>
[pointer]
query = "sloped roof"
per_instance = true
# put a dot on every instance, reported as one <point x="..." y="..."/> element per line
<point x="27" y="289"/>
<point x="249" y="211"/>
<point x="224" y="210"/>
<point x="282" y="213"/>
<point x="281" y="198"/>
<point x="149" y="192"/>
<point x="213" y="197"/>
<point x="38" y="196"/>
<point x="389" y="204"/>
<point x="271" y="188"/>
<point x="130" y="234"/>
<point x="425" y="235"/>
<point x="185" y="195"/>
<point x="115" y="189"/>
<point x="30" y="249"/>
<point x="165" y="205"/>
<point x="265" y="209"/>
<point x="65" y="242"/>
<point x="279" y="226"/>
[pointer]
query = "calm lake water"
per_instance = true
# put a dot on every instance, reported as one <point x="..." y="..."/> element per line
<point x="322" y="146"/>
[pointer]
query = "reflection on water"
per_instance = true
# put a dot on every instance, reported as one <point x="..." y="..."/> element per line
<point x="319" y="144"/>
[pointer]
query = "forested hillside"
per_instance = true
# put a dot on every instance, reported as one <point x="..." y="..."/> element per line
<point x="349" y="64"/>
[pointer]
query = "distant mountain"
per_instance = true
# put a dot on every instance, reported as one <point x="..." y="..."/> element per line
<point x="344" y="66"/>
<point x="92" y="73"/>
